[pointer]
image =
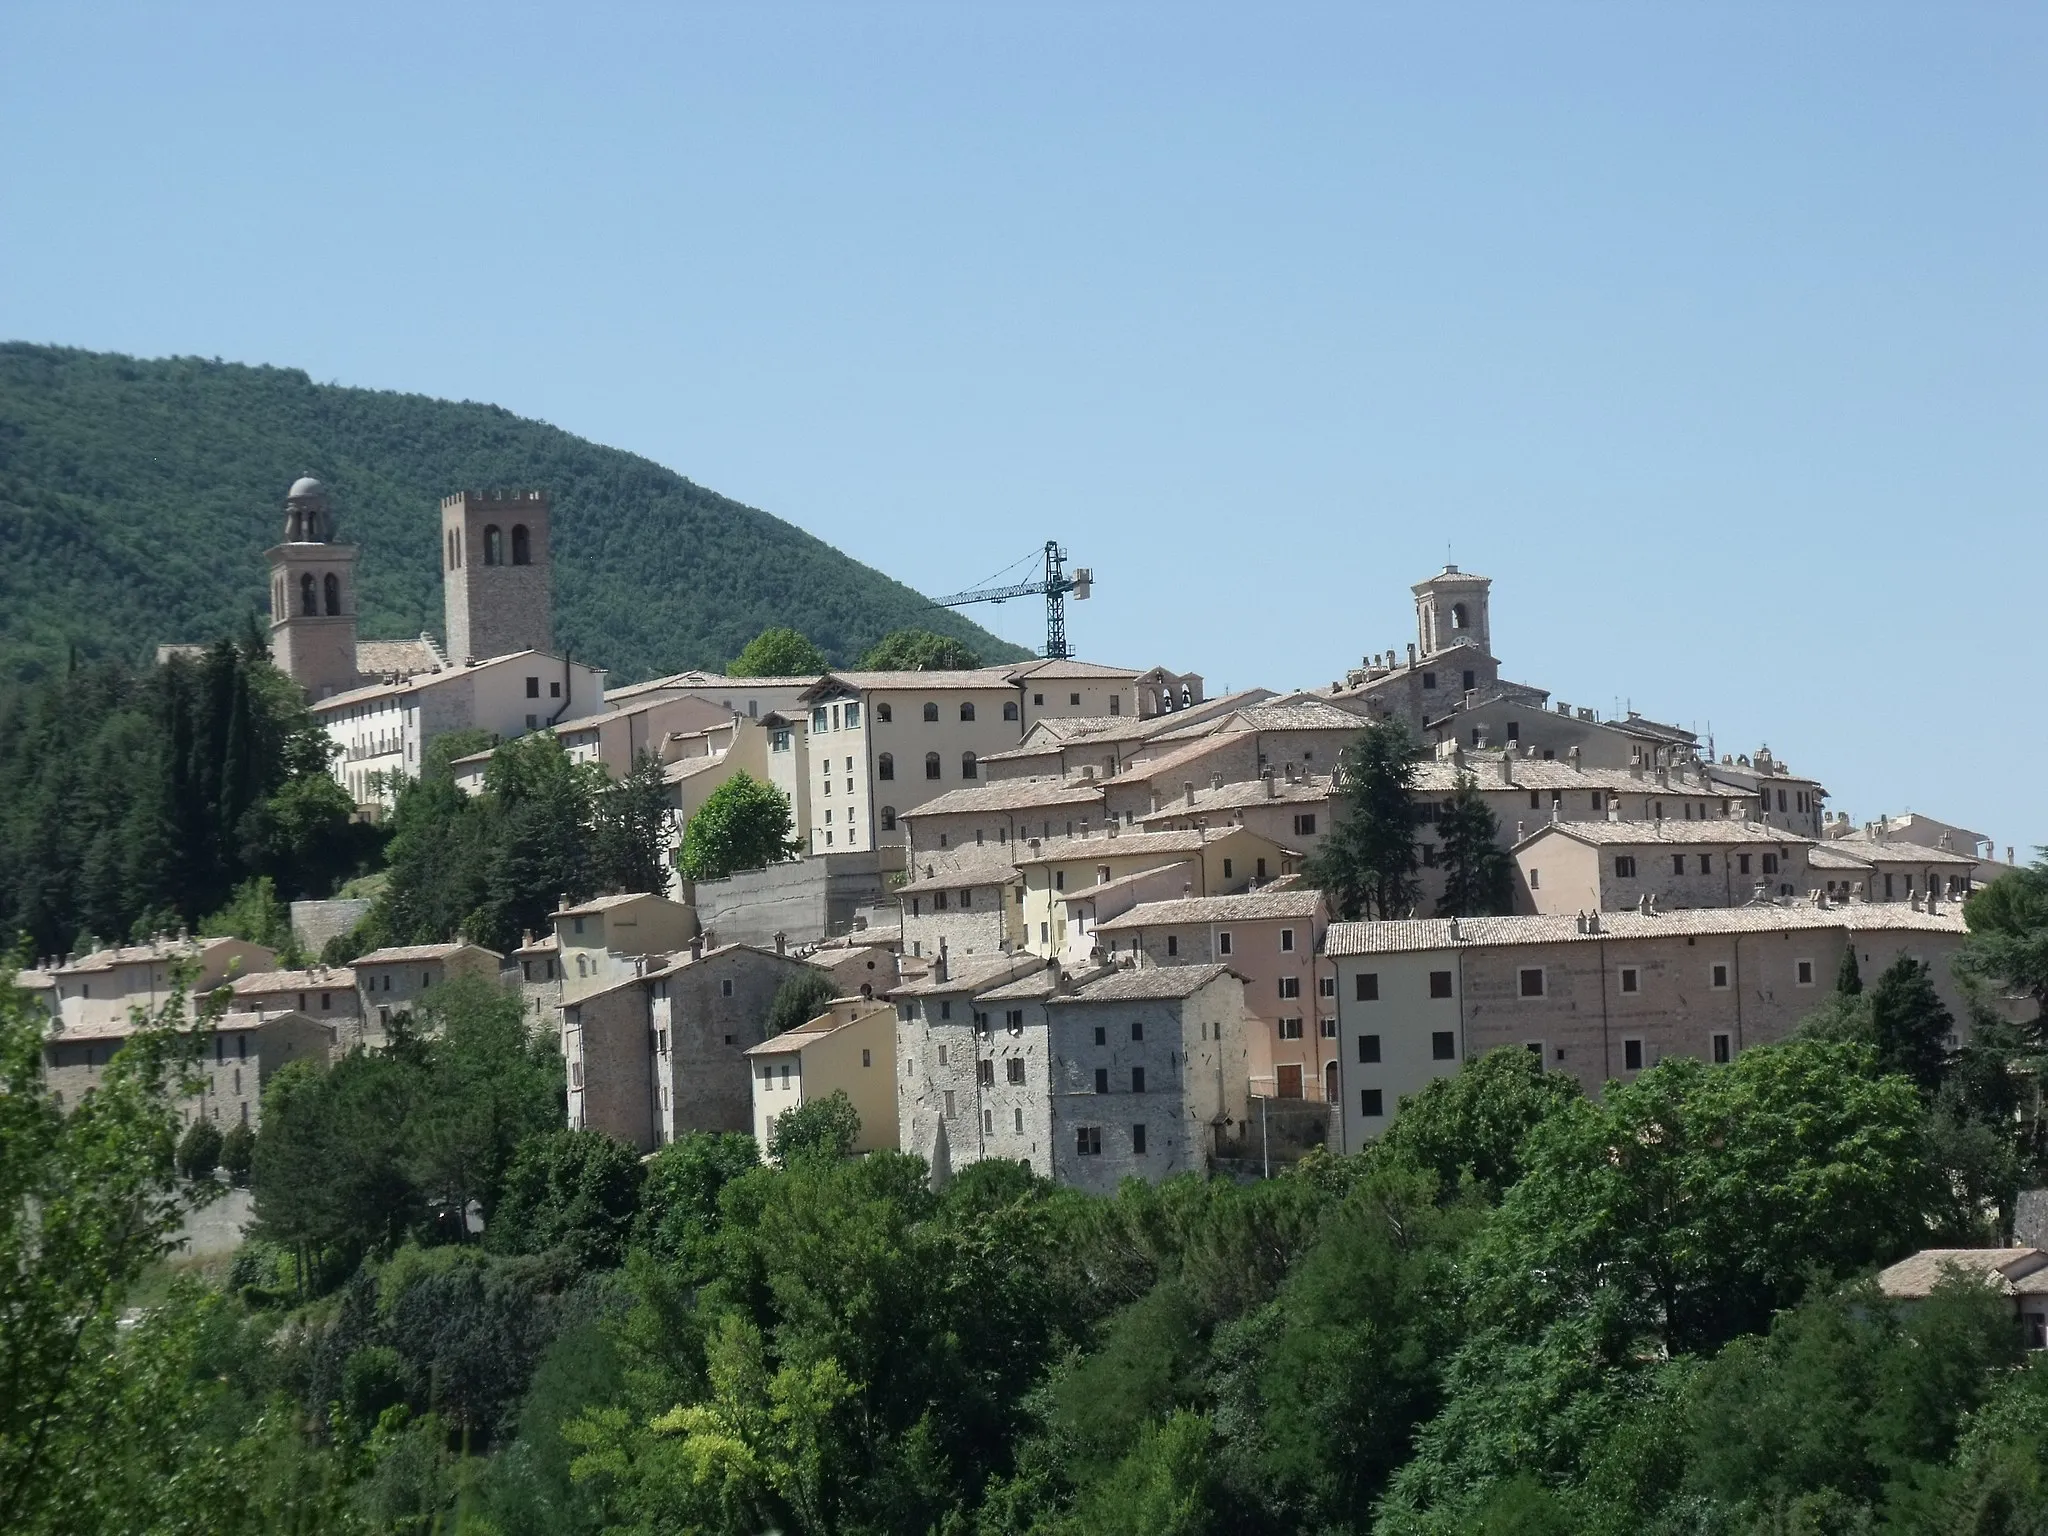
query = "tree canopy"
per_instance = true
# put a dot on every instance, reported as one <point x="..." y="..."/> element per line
<point x="1367" y="863"/>
<point x="919" y="650"/>
<point x="778" y="652"/>
<point x="742" y="824"/>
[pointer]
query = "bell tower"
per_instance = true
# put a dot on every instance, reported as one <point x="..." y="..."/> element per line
<point x="313" y="596"/>
<point x="498" y="580"/>
<point x="1450" y="609"/>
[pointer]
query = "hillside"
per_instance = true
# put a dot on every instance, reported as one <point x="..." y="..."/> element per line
<point x="137" y="498"/>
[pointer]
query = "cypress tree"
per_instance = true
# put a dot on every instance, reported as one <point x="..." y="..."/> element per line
<point x="1478" y="875"/>
<point x="1367" y="864"/>
<point x="1848" y="980"/>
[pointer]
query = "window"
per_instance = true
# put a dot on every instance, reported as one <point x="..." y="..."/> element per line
<point x="332" y="584"/>
<point x="967" y="766"/>
<point x="1290" y="1029"/>
<point x="884" y="713"/>
<point x="819" y="719"/>
<point x="949" y="1103"/>
<point x="1632" y="1055"/>
<point x="1371" y="1102"/>
<point x="522" y="545"/>
<point x="1305" y="824"/>
<point x="1706" y="863"/>
<point x="1137" y="1029"/>
<point x="1014" y="1069"/>
<point x="1137" y="1079"/>
<point x="1720" y="977"/>
<point x="533" y="687"/>
<point x="1532" y="982"/>
<point x="1721" y="1051"/>
<point x="1088" y="1140"/>
<point x="494" y="545"/>
<point x="1804" y="970"/>
<point x="945" y="1012"/>
<point x="1367" y="985"/>
<point x="1678" y="863"/>
<point x="1429" y="855"/>
<point x="1037" y="699"/>
<point x="1102" y="1079"/>
<point x="1368" y="1049"/>
<point x="309" y="605"/>
<point x="1009" y="709"/>
<point x="931" y="765"/>
<point x="1326" y="986"/>
<point x="888" y="818"/>
<point x="931" y="714"/>
<point x="1172" y="945"/>
<point x="533" y="722"/>
<point x="985" y="1073"/>
<point x="1327" y="1028"/>
<point x="1624" y="867"/>
<point x="1075" y="698"/>
<point x="554" y="690"/>
<point x="967" y="710"/>
<point x="1290" y="988"/>
<point x="1439" y="983"/>
<point x="1535" y="879"/>
<point x="885" y="767"/>
<point x="1631" y="979"/>
<point x="1101" y="1034"/>
<point x="1137" y="1141"/>
<point x="1770" y="863"/>
<point x="852" y="716"/>
<point x="1227" y="863"/>
<point x="1286" y="941"/>
<point x="1429" y="679"/>
<point x="867" y="1057"/>
<point x="1116" y="703"/>
<point x="1222" y="943"/>
<point x="1442" y="1045"/>
<point x="1471" y="680"/>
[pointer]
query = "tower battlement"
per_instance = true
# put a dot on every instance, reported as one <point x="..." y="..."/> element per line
<point x="497" y="573"/>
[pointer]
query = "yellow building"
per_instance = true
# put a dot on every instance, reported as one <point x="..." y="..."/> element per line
<point x="850" y="1047"/>
<point x="1217" y="862"/>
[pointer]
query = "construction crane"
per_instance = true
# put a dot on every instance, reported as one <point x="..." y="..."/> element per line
<point x="1056" y="585"/>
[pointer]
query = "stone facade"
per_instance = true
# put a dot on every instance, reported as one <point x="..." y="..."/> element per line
<point x="941" y="1082"/>
<point x="391" y="982"/>
<point x="806" y="900"/>
<point x="246" y="1050"/>
<point x="1608" y="866"/>
<point x="497" y="574"/>
<point x="325" y="994"/>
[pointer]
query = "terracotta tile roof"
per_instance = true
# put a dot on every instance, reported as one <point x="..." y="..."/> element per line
<point x="1713" y="832"/>
<point x="1105" y="887"/>
<point x="975" y="864"/>
<point x="2005" y="1270"/>
<point x="598" y="904"/>
<point x="969" y="973"/>
<point x="142" y="954"/>
<point x="1240" y="793"/>
<point x="1245" y="906"/>
<point x="402" y="953"/>
<point x="319" y="978"/>
<point x="901" y="682"/>
<point x="1406" y="935"/>
<point x="1144" y="984"/>
<point x="1009" y="795"/>
<point x="1878" y="851"/>
<point x="1127" y="845"/>
<point x="1074" y="669"/>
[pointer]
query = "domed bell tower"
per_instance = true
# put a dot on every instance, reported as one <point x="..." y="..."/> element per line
<point x="1450" y="609"/>
<point x="313" y="596"/>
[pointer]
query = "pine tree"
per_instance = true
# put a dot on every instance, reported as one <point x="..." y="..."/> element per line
<point x="1478" y="875"/>
<point x="1367" y="864"/>
<point x="632" y="838"/>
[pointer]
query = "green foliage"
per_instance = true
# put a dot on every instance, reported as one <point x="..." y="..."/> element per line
<point x="1848" y="976"/>
<point x="258" y="914"/>
<point x="199" y="1149"/>
<point x="569" y="1192"/>
<point x="742" y="824"/>
<point x="131" y="801"/>
<point x="1472" y="1125"/>
<point x="123" y="536"/>
<point x="799" y="1000"/>
<point x="2008" y="942"/>
<point x="679" y="1204"/>
<point x="630" y="834"/>
<point x="919" y="650"/>
<point x="1909" y="1023"/>
<point x="826" y="1127"/>
<point x="778" y="652"/>
<point x="238" y="1153"/>
<point x="1367" y="864"/>
<point x="1479" y="877"/>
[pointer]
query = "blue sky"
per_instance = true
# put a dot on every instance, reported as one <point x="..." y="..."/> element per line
<point x="1713" y="333"/>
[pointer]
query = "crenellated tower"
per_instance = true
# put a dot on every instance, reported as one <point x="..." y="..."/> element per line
<point x="497" y="575"/>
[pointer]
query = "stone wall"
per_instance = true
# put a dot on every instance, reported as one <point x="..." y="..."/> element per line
<point x="703" y="1078"/>
<point x="806" y="900"/>
<point x="315" y="922"/>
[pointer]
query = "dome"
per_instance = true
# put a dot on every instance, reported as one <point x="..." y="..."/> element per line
<point x="306" y="518"/>
<point x="306" y="485"/>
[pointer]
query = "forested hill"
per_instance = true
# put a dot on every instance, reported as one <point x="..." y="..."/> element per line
<point x="137" y="498"/>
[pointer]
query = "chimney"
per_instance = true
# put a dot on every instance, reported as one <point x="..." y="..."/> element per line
<point x="1271" y="791"/>
<point x="1216" y="781"/>
<point x="1454" y="929"/>
<point x="1573" y="758"/>
<point x="1507" y="767"/>
<point x="697" y="947"/>
<point x="781" y="943"/>
<point x="1155" y="800"/>
<point x="939" y="964"/>
<point x="1635" y="767"/>
<point x="1653" y="903"/>
<point x="1593" y="921"/>
<point x="1411" y="653"/>
<point x="1521" y="831"/>
<point x="1643" y="904"/>
<point x="1188" y="792"/>
<point x="1582" y="922"/>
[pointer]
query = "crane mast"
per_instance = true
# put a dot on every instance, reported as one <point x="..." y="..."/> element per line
<point x="1056" y="586"/>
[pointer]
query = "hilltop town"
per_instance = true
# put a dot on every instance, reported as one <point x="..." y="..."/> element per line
<point x="1060" y="912"/>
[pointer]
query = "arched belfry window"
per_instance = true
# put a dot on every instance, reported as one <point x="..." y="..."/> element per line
<point x="1457" y="615"/>
<point x="494" y="545"/>
<point x="309" y="601"/>
<point x="522" y="549"/>
<point x="332" y="583"/>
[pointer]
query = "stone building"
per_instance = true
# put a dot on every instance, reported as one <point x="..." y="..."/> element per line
<point x="1068" y="689"/>
<point x="313" y="596"/>
<point x="1002" y="813"/>
<point x="102" y="989"/>
<point x="497" y="573"/>
<point x="843" y="1050"/>
<point x="963" y="900"/>
<point x="1273" y="940"/>
<point x="1293" y="809"/>
<point x="391" y="982"/>
<point x="1784" y="799"/>
<point x="654" y="1056"/>
<point x="1148" y="1073"/>
<point x="1097" y="748"/>
<point x="1607" y="866"/>
<point x="1229" y="859"/>
<point x="1450" y="660"/>
<point x="245" y="1052"/>
<point x="325" y="994"/>
<point x="938" y="1056"/>
<point x="1600" y="995"/>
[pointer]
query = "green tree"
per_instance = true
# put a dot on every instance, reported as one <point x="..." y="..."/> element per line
<point x="679" y="1204"/>
<point x="2008" y="942"/>
<point x="1479" y="877"/>
<point x="199" y="1149"/>
<point x="919" y="650"/>
<point x="780" y="652"/>
<point x="574" y="1192"/>
<point x="238" y="1153"/>
<point x="1910" y="1024"/>
<point x="1367" y="864"/>
<point x="541" y="806"/>
<point x="258" y="915"/>
<point x="826" y="1127"/>
<point x="799" y="1000"/>
<point x="1848" y="977"/>
<point x="742" y="824"/>
<point x="632" y="831"/>
<point x="1472" y="1124"/>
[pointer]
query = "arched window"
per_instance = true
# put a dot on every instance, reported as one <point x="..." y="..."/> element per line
<point x="967" y="711"/>
<point x="449" y="553"/>
<point x="1187" y="696"/>
<point x="494" y="545"/>
<point x="885" y="766"/>
<point x="931" y="765"/>
<point x="931" y="715"/>
<point x="309" y="602"/>
<point x="884" y="713"/>
<point x="967" y="766"/>
<point x="333" y="586"/>
<point x="888" y="818"/>
<point x="1010" y="709"/>
<point x="1457" y="615"/>
<point x="1330" y="1082"/>
<point x="522" y="548"/>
